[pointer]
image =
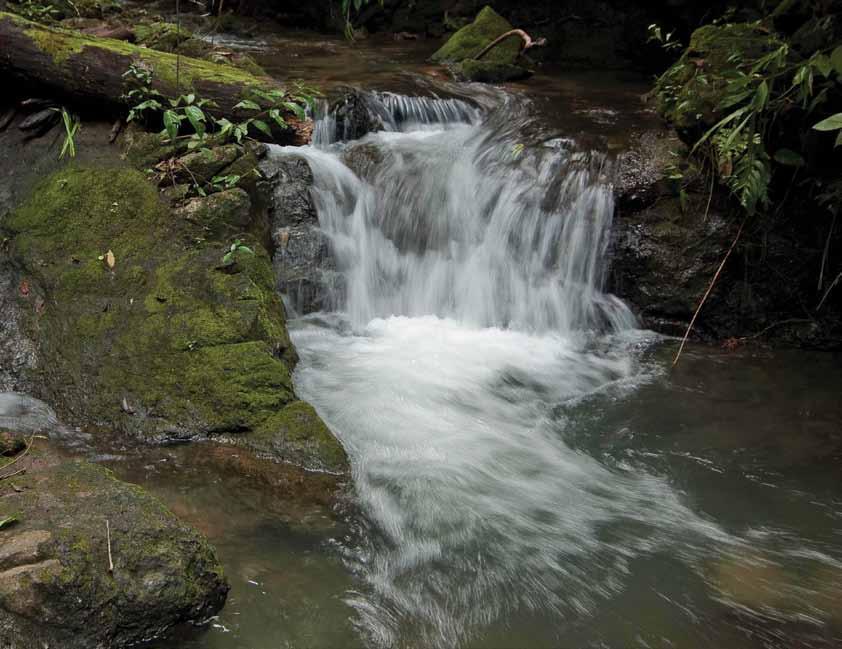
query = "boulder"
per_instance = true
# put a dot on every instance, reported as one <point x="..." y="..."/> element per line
<point x="471" y="39"/>
<point x="74" y="520"/>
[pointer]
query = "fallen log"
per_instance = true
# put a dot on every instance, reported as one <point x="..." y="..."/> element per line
<point x="88" y="72"/>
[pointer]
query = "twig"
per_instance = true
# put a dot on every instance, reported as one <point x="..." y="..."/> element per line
<point x="707" y="293"/>
<point x="25" y="451"/>
<point x="108" y="537"/>
<point x="526" y="42"/>
<point x="826" y="252"/>
<point x="829" y="289"/>
<point x="12" y="474"/>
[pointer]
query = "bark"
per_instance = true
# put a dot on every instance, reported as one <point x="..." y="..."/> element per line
<point x="88" y="72"/>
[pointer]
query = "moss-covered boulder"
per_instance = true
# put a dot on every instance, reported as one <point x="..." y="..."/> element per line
<point x="471" y="39"/>
<point x="150" y="324"/>
<point x="74" y="521"/>
<point x="689" y="94"/>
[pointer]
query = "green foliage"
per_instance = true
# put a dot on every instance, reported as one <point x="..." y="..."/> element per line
<point x="31" y="10"/>
<point x="747" y="89"/>
<point x="188" y="116"/>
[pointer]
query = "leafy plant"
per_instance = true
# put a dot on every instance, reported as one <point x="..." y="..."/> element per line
<point x="758" y="89"/>
<point x="262" y="107"/>
<point x="236" y="247"/>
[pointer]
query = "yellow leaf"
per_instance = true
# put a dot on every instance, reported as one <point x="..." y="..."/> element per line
<point x="110" y="260"/>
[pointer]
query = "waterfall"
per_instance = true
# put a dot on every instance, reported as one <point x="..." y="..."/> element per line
<point x="461" y="222"/>
<point x="472" y="321"/>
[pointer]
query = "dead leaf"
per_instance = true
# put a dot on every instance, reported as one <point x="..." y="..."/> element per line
<point x="110" y="260"/>
<point x="24" y="288"/>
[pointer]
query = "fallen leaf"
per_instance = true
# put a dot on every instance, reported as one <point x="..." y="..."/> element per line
<point x="110" y="260"/>
<point x="24" y="287"/>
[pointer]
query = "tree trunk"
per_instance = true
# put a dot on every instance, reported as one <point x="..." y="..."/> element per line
<point x="88" y="72"/>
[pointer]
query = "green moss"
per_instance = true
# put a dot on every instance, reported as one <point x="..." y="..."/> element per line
<point x="171" y="328"/>
<point x="471" y="39"/>
<point x="297" y="434"/>
<point x="191" y="73"/>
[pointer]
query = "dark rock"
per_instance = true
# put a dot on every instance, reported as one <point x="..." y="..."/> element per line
<point x="304" y="266"/>
<point x="45" y="118"/>
<point x="356" y="115"/>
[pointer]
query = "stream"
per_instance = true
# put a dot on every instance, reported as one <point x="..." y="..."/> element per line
<point x="527" y="469"/>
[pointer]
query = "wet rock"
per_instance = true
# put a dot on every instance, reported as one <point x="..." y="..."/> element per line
<point x="642" y="169"/>
<point x="356" y="115"/>
<point x="363" y="159"/>
<point x="56" y="587"/>
<point x="305" y="269"/>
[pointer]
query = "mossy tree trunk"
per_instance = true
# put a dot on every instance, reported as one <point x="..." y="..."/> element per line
<point x="88" y="71"/>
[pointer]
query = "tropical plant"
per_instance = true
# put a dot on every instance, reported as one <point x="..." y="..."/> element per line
<point x="758" y="90"/>
<point x="189" y="116"/>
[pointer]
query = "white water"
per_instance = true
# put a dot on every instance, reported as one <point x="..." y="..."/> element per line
<point x="474" y="317"/>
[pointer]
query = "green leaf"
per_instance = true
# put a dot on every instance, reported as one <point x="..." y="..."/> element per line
<point x="761" y="95"/>
<point x="247" y="104"/>
<point x="263" y="126"/>
<point x="832" y="123"/>
<point x="836" y="60"/>
<point x="197" y="118"/>
<point x="295" y="109"/>
<point x="823" y="65"/>
<point x="838" y="140"/>
<point x="275" y="114"/>
<point x="228" y="257"/>
<point x="190" y="98"/>
<point x="789" y="158"/>
<point x="171" y="124"/>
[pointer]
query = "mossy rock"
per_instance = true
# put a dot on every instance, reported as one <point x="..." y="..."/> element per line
<point x="56" y="588"/>
<point x="690" y="92"/>
<point x="489" y="72"/>
<point x="471" y="39"/>
<point x="178" y="340"/>
<point x="162" y="36"/>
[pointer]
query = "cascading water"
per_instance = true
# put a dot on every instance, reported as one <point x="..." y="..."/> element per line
<point x="473" y="317"/>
